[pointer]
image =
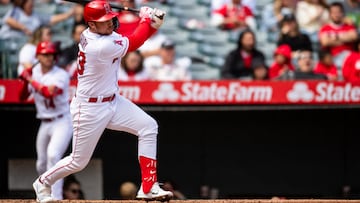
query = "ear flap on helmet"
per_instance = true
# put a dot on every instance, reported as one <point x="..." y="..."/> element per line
<point x="116" y="23"/>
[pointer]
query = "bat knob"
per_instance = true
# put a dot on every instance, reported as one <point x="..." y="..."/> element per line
<point x="161" y="16"/>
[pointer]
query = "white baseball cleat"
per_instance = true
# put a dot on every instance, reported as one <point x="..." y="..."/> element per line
<point x="156" y="193"/>
<point x="43" y="192"/>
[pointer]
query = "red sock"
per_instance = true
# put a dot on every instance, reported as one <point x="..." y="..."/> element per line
<point x="148" y="173"/>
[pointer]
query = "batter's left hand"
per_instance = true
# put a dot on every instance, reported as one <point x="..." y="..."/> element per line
<point x="157" y="18"/>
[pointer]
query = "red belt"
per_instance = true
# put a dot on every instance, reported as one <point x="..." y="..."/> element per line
<point x="104" y="99"/>
<point x="51" y="119"/>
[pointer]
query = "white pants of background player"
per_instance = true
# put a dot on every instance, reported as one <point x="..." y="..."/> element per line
<point x="89" y="123"/>
<point x="53" y="139"/>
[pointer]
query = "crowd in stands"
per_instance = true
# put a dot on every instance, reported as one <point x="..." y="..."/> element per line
<point x="233" y="39"/>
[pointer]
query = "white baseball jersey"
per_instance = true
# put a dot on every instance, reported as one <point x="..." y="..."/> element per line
<point x="104" y="52"/>
<point x="51" y="107"/>
<point x="54" y="135"/>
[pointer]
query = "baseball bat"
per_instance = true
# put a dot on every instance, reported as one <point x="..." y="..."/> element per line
<point x="112" y="5"/>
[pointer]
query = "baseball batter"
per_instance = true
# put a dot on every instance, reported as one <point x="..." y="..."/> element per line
<point x="98" y="105"/>
<point x="50" y="87"/>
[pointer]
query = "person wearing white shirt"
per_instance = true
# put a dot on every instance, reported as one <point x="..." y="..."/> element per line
<point x="166" y="67"/>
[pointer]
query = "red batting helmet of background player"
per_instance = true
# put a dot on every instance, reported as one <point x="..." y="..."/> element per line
<point x="47" y="47"/>
<point x="98" y="11"/>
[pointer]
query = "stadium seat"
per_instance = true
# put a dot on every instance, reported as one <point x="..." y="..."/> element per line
<point x="205" y="3"/>
<point x="9" y="50"/>
<point x="4" y="9"/>
<point x="222" y="50"/>
<point x="233" y="35"/>
<point x="190" y="12"/>
<point x="185" y="3"/>
<point x="45" y="9"/>
<point x="186" y="49"/>
<point x="216" y="61"/>
<point x="64" y="38"/>
<point x="212" y="36"/>
<point x="202" y="71"/>
<point x="170" y="25"/>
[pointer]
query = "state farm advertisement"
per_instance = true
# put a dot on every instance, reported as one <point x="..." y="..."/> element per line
<point x="220" y="92"/>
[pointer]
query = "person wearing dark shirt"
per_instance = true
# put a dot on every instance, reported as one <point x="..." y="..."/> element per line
<point x="305" y="69"/>
<point x="291" y="35"/>
<point x="239" y="62"/>
<point x="260" y="71"/>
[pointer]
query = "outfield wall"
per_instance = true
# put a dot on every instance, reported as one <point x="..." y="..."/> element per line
<point x="303" y="153"/>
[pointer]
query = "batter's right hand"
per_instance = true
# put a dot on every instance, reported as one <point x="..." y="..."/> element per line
<point x="145" y="12"/>
<point x="155" y="15"/>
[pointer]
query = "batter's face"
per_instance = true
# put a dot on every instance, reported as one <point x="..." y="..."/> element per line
<point x="46" y="60"/>
<point x="102" y="28"/>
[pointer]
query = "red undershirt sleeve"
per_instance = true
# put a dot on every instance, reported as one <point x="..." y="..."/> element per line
<point x="140" y="35"/>
<point x="44" y="90"/>
<point x="24" y="91"/>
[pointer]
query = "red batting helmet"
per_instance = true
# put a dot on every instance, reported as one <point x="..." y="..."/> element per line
<point x="46" y="47"/>
<point x="98" y="11"/>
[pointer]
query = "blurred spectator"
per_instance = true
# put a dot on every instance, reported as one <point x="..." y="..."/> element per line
<point x="5" y="2"/>
<point x="338" y="36"/>
<point x="239" y="62"/>
<point x="282" y="66"/>
<point x="326" y="65"/>
<point x="216" y="4"/>
<point x="214" y="193"/>
<point x="351" y="67"/>
<point x="291" y="35"/>
<point x="27" y="54"/>
<point x="166" y="66"/>
<point x="311" y="15"/>
<point x="273" y="14"/>
<point x="128" y="190"/>
<point x="151" y="47"/>
<point x="204" y="192"/>
<point x="79" y="15"/>
<point x="132" y="67"/>
<point x="171" y="186"/>
<point x="20" y="20"/>
<point x="68" y="56"/>
<point x="72" y="188"/>
<point x="352" y="12"/>
<point x="128" y="20"/>
<point x="260" y="70"/>
<point x="141" y="2"/>
<point x="305" y="69"/>
<point x="233" y="16"/>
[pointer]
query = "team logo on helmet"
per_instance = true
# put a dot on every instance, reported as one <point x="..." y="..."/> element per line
<point x="107" y="8"/>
